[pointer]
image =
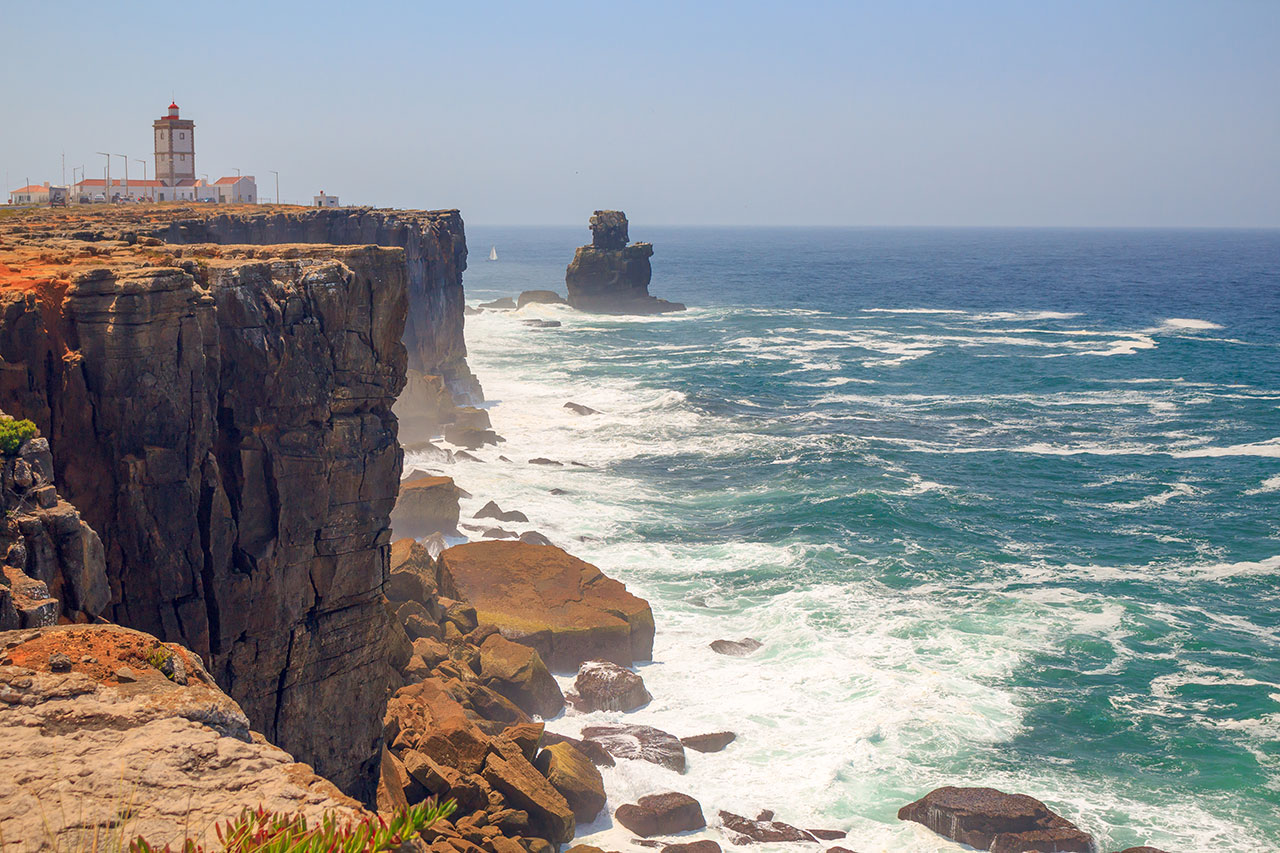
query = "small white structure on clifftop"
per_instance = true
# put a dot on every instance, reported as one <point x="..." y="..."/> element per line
<point x="323" y="200"/>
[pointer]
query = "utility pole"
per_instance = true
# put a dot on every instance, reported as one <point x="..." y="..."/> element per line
<point x="144" y="180"/>
<point x="64" y="168"/>
<point x="126" y="173"/>
<point x="106" y="196"/>
<point x="144" y="167"/>
<point x="277" y="174"/>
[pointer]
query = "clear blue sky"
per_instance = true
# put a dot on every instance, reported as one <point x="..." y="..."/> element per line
<point x="851" y="113"/>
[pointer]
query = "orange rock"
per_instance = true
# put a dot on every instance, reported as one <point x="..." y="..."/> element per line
<point x="543" y="597"/>
<point x="426" y="505"/>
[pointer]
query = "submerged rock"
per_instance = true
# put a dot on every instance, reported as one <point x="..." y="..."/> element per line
<point x="736" y="648"/>
<point x="765" y="829"/>
<point x="579" y="409"/>
<point x="492" y="510"/>
<point x="713" y="742"/>
<point x="533" y="537"/>
<point x="610" y="277"/>
<point x="542" y="297"/>
<point x="643" y="743"/>
<point x="706" y="845"/>
<point x="596" y="753"/>
<point x="505" y="303"/>
<point x="989" y="819"/>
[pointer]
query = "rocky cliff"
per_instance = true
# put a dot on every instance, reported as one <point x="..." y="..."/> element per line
<point x="611" y="277"/>
<point x="435" y="255"/>
<point x="222" y="418"/>
<point x="109" y="735"/>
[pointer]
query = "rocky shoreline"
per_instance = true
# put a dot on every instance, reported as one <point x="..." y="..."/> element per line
<point x="211" y="500"/>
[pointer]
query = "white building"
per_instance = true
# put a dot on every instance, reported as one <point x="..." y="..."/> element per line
<point x="32" y="194"/>
<point x="323" y="200"/>
<point x="240" y="189"/>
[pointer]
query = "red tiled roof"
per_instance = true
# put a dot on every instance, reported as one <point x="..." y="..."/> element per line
<point x="187" y="182"/>
<point x="32" y="188"/>
<point x="233" y="179"/>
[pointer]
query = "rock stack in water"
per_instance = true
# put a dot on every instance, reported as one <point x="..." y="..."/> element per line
<point x="610" y="277"/>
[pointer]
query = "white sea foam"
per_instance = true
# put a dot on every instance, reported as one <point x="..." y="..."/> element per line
<point x="1188" y="323"/>
<point x="1271" y="484"/>
<point x="1175" y="490"/>
<point x="864" y="695"/>
<point x="1269" y="448"/>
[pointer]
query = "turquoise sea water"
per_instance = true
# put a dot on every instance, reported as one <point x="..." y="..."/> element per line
<point x="1004" y="507"/>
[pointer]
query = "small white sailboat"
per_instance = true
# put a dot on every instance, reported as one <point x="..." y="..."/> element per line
<point x="493" y="253"/>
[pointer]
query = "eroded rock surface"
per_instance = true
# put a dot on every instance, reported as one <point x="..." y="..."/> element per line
<point x="79" y="744"/>
<point x="989" y="819"/>
<point x="545" y="598"/>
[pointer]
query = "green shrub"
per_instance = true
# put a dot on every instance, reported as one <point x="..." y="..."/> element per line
<point x="13" y="433"/>
<point x="261" y="831"/>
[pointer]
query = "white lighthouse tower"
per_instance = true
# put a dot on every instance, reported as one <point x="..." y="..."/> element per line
<point x="175" y="148"/>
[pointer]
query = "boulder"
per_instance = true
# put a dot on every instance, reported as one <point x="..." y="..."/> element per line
<point x="713" y="742"/>
<point x="661" y="814"/>
<point x="426" y="505"/>
<point x="392" y="780"/>
<point x="989" y="819"/>
<point x="527" y="737"/>
<point x="533" y="537"/>
<point x="579" y="409"/>
<point x="540" y="297"/>
<point x="575" y="777"/>
<point x="518" y="673"/>
<point x="545" y="598"/>
<point x="639" y="742"/>
<point x="597" y="754"/>
<point x="543" y="324"/>
<point x="413" y="572"/>
<point x="505" y="303"/>
<point x="525" y="788"/>
<point x="498" y="533"/>
<point x="469" y="437"/>
<point x="736" y="648"/>
<point x="542" y="460"/>
<point x="763" y="829"/>
<point x="605" y="686"/>
<point x="1143" y="849"/>
<point x="492" y="510"/>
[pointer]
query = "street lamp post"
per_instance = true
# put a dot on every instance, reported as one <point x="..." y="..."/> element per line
<point x="277" y="174"/>
<point x="144" y="176"/>
<point x="106" y="195"/>
<point x="125" y="157"/>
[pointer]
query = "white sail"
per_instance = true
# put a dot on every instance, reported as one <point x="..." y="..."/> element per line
<point x="493" y="253"/>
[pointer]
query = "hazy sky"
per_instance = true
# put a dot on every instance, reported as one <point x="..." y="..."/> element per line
<point x="851" y="113"/>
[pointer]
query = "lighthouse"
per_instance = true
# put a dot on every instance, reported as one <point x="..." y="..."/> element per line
<point x="175" y="148"/>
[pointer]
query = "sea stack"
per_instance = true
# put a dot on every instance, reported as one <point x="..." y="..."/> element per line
<point x="610" y="277"/>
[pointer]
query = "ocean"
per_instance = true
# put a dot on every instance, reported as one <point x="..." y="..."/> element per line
<point x="1003" y="507"/>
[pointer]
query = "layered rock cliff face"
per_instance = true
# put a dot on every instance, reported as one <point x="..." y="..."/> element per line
<point x="435" y="255"/>
<point x="53" y="565"/>
<point x="224" y="423"/>
<point x="610" y="277"/>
